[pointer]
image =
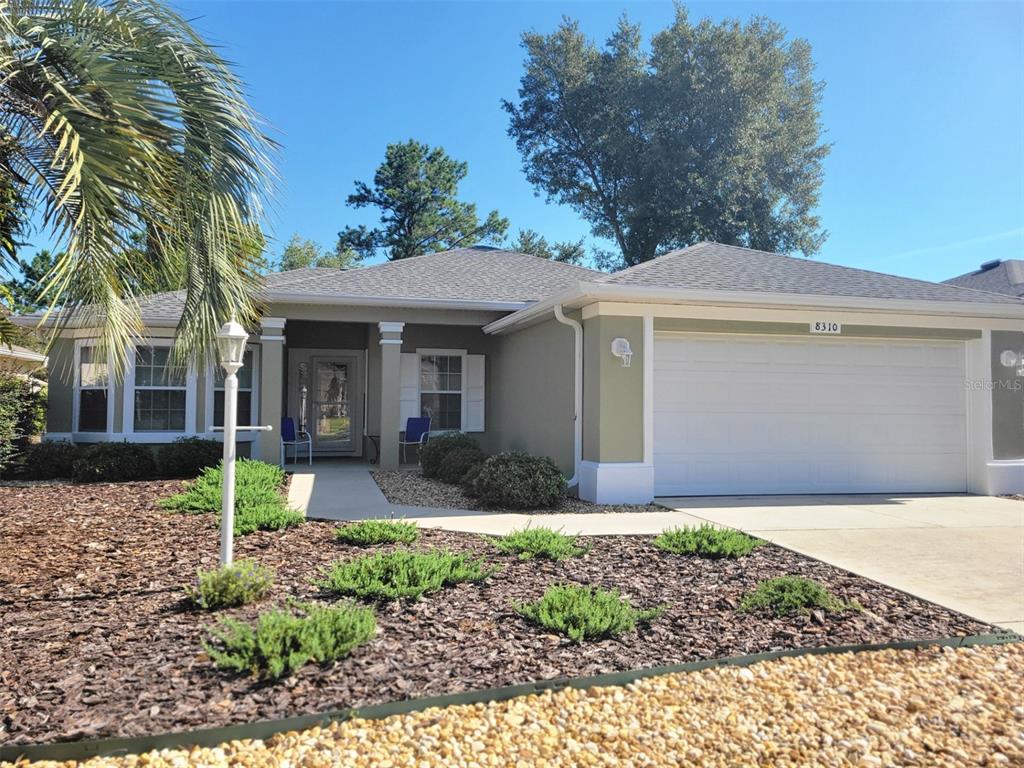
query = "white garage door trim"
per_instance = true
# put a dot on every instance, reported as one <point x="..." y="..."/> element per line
<point x="786" y="414"/>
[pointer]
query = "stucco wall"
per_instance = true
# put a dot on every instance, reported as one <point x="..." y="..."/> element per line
<point x="60" y="387"/>
<point x="613" y="413"/>
<point x="530" y="393"/>
<point x="1007" y="399"/>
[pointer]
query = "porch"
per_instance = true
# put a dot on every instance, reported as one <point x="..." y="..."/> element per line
<point x="352" y="384"/>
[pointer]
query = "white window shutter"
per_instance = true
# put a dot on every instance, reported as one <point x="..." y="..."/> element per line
<point x="474" y="393"/>
<point x="409" y="382"/>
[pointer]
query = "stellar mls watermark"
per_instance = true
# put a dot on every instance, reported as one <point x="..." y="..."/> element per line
<point x="992" y="385"/>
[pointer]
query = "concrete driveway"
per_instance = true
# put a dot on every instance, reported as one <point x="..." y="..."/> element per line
<point x="964" y="552"/>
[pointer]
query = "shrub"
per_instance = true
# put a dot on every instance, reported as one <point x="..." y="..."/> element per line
<point x="241" y="583"/>
<point x="787" y="595"/>
<point x="468" y="481"/>
<point x="49" y="460"/>
<point x="259" y="504"/>
<point x="457" y="462"/>
<point x="707" y="541"/>
<point x="369" y="532"/>
<point x="22" y="416"/>
<point x="436" y="448"/>
<point x="585" y="613"/>
<point x="540" y="542"/>
<point x="188" y="456"/>
<point x="402" y="574"/>
<point x="281" y="642"/>
<point x="114" y="462"/>
<point x="519" y="481"/>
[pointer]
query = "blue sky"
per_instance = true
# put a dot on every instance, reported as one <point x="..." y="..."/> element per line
<point x="924" y="104"/>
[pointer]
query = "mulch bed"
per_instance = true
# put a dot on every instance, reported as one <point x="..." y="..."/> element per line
<point x="96" y="640"/>
<point x="408" y="487"/>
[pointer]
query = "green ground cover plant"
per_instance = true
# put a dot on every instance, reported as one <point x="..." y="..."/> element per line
<point x="707" y="541"/>
<point x="369" y="532"/>
<point x="789" y="595"/>
<point x="259" y="505"/>
<point x="540" y="542"/>
<point x="282" y="641"/>
<point x="241" y="583"/>
<point x="402" y="574"/>
<point x="585" y="613"/>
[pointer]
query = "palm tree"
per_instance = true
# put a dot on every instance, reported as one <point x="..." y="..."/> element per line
<point x="116" y="118"/>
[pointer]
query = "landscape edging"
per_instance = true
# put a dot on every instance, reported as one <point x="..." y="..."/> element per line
<point x="262" y="729"/>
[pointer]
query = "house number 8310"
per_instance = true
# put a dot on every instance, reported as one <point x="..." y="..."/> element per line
<point x="823" y="326"/>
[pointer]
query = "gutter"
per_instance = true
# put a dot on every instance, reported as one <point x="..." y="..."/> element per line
<point x="577" y="437"/>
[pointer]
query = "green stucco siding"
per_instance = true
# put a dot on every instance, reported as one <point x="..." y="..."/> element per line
<point x="60" y="385"/>
<point x="530" y="393"/>
<point x="1007" y="399"/>
<point x="613" y="413"/>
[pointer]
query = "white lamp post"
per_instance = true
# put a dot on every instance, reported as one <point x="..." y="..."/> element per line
<point x="231" y="339"/>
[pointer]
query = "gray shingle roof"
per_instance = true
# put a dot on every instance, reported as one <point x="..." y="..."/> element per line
<point x="463" y="274"/>
<point x="713" y="266"/>
<point x="1007" y="277"/>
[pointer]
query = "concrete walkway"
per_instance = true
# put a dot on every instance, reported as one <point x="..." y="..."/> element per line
<point x="964" y="552"/>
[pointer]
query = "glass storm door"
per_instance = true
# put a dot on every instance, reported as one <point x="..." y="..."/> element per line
<point x="330" y="399"/>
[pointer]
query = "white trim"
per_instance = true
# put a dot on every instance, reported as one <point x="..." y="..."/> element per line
<point x="272" y="338"/>
<point x="585" y="293"/>
<point x="463" y="377"/>
<point x="333" y="299"/>
<point x="148" y="438"/>
<point x="22" y="354"/>
<point x="577" y="393"/>
<point x="616" y="482"/>
<point x="128" y="404"/>
<point x="1005" y="477"/>
<point x="76" y="387"/>
<point x="391" y="341"/>
<point x="390" y="326"/>
<point x="273" y="323"/>
<point x="648" y="408"/>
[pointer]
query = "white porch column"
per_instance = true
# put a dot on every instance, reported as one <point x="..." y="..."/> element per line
<point x="268" y="448"/>
<point x="390" y="392"/>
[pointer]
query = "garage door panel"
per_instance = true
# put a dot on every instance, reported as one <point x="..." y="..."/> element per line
<point x="756" y="415"/>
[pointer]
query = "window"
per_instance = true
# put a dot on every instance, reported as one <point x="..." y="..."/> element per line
<point x="92" y="387"/>
<point x="441" y="390"/>
<point x="245" y="390"/>
<point x="159" y="392"/>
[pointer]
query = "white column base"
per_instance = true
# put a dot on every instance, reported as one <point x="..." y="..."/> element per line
<point x="616" y="482"/>
<point x="1005" y="476"/>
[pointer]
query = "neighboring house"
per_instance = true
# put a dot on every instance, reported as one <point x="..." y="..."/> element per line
<point x="20" y="360"/>
<point x="999" y="276"/>
<point x="710" y="370"/>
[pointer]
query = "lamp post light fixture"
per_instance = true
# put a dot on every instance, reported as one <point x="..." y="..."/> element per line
<point x="231" y="339"/>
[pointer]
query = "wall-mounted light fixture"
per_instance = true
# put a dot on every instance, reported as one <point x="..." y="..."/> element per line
<point x="1011" y="359"/>
<point x="622" y="350"/>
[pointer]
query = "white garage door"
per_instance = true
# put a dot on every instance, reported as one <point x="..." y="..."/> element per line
<point x="748" y="415"/>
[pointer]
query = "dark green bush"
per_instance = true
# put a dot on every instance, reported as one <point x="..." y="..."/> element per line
<point x="49" y="460"/>
<point x="433" y="453"/>
<point x="707" y="541"/>
<point x="22" y="417"/>
<point x="788" y="595"/>
<point x="468" y="481"/>
<point x="188" y="456"/>
<point x="259" y="504"/>
<point x="457" y="462"/>
<point x="281" y="642"/>
<point x="402" y="574"/>
<point x="114" y="462"/>
<point x="585" y="613"/>
<point x="370" y="532"/>
<point x="540" y="542"/>
<point x="241" y="583"/>
<point x="519" y="481"/>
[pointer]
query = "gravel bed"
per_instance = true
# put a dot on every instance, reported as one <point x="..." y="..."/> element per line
<point x="408" y="487"/>
<point x="935" y="707"/>
<point x="96" y="639"/>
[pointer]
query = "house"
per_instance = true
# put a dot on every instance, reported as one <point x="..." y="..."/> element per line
<point x="20" y="360"/>
<point x="713" y="369"/>
<point x="999" y="276"/>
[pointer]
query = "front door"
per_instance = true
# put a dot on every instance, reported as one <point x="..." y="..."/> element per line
<point x="329" y="403"/>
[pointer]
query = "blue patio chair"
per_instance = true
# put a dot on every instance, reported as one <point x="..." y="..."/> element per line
<point x="417" y="430"/>
<point x="295" y="439"/>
